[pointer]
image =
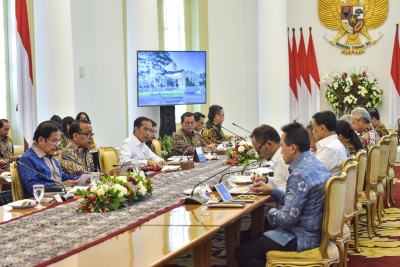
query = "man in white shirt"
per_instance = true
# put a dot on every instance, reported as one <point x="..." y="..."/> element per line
<point x="135" y="148"/>
<point x="266" y="141"/>
<point x="330" y="151"/>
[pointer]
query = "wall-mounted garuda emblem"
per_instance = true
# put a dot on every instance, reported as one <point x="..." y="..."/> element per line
<point x="352" y="18"/>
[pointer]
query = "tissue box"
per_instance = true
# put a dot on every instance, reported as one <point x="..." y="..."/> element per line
<point x="187" y="165"/>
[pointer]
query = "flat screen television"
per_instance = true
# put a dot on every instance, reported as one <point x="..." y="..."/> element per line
<point x="167" y="78"/>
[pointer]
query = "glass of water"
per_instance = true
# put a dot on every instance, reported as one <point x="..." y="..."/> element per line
<point x="233" y="141"/>
<point x="137" y="167"/>
<point x="94" y="177"/>
<point x="38" y="192"/>
<point x="225" y="144"/>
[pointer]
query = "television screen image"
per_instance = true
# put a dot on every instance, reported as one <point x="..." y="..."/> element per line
<point x="171" y="78"/>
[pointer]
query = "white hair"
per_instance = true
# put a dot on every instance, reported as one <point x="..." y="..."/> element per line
<point x="361" y="113"/>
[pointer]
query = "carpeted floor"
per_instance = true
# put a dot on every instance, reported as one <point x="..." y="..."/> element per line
<point x="382" y="250"/>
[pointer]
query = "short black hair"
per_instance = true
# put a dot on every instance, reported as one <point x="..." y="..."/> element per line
<point x="198" y="115"/>
<point x="265" y="133"/>
<point x="78" y="117"/>
<point x="186" y="114"/>
<point x="75" y="127"/>
<point x="326" y="118"/>
<point x="57" y="119"/>
<point x="374" y="113"/>
<point x="3" y="121"/>
<point x="66" y="122"/>
<point x="153" y="123"/>
<point x="212" y="111"/>
<point x="45" y="129"/>
<point x="296" y="134"/>
<point x="138" y="122"/>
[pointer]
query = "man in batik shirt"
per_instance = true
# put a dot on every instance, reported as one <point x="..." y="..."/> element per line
<point x="298" y="225"/>
<point x="379" y="127"/>
<point x="75" y="157"/>
<point x="186" y="139"/>
<point x="362" y="125"/>
<point x="6" y="146"/>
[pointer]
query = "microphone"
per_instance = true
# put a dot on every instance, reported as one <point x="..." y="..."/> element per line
<point x="199" y="200"/>
<point x="84" y="165"/>
<point x="220" y="180"/>
<point x="228" y="130"/>
<point x="66" y="196"/>
<point x="183" y="153"/>
<point x="247" y="165"/>
<point x="241" y="127"/>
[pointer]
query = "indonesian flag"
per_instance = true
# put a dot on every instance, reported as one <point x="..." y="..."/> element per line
<point x="394" y="83"/>
<point x="26" y="99"/>
<point x="296" y="68"/>
<point x="305" y="103"/>
<point x="314" y="76"/>
<point x="294" y="105"/>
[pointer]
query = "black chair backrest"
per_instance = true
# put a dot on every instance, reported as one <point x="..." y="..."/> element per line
<point x="5" y="197"/>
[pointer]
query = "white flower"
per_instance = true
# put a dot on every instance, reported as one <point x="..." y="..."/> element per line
<point x="100" y="192"/>
<point x="122" y="178"/>
<point x="242" y="143"/>
<point x="93" y="189"/>
<point x="347" y="89"/>
<point x="141" y="188"/>
<point x="105" y="187"/>
<point x="241" y="148"/>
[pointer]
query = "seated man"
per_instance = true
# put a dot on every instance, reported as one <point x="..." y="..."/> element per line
<point x="199" y="119"/>
<point x="266" y="141"/>
<point x="362" y="125"/>
<point x="153" y="135"/>
<point x="134" y="147"/>
<point x="185" y="140"/>
<point x="299" y="223"/>
<point x="379" y="127"/>
<point x="212" y="132"/>
<point x="6" y="146"/>
<point x="40" y="158"/>
<point x="75" y="157"/>
<point x="330" y="151"/>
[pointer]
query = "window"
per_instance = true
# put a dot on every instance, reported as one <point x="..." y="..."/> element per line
<point x="174" y="35"/>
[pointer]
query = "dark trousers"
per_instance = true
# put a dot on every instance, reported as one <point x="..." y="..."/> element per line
<point x="254" y="252"/>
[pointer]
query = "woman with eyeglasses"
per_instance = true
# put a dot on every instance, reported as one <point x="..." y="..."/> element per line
<point x="37" y="165"/>
<point x="84" y="116"/>
<point x="212" y="132"/>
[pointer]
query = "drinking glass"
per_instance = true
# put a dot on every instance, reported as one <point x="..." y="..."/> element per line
<point x="233" y="141"/>
<point x="225" y="144"/>
<point x="137" y="167"/>
<point x="38" y="192"/>
<point x="94" y="177"/>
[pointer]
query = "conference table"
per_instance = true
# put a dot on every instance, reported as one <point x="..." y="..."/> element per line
<point x="165" y="237"/>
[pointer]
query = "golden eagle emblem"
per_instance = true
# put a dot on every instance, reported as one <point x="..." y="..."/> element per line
<point x="353" y="18"/>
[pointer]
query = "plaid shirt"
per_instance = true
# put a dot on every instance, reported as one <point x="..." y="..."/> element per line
<point x="213" y="133"/>
<point x="81" y="155"/>
<point x="369" y="137"/>
<point x="381" y="129"/>
<point x="185" y="141"/>
<point x="6" y="148"/>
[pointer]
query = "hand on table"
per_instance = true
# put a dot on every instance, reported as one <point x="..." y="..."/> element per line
<point x="84" y="179"/>
<point x="116" y="170"/>
<point x="13" y="158"/>
<point x="263" y="188"/>
<point x="258" y="179"/>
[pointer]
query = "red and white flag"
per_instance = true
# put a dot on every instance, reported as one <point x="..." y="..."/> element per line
<point x="294" y="105"/>
<point x="26" y="97"/>
<point x="314" y="76"/>
<point x="296" y="67"/>
<point x="394" y="83"/>
<point x="305" y="111"/>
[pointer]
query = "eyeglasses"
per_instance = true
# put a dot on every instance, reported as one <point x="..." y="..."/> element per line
<point x="258" y="149"/>
<point x="247" y="197"/>
<point x="222" y="115"/>
<point x="88" y="135"/>
<point x="189" y="123"/>
<point x="55" y="142"/>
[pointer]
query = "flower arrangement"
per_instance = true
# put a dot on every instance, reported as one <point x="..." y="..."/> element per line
<point x="166" y="145"/>
<point x="114" y="192"/>
<point x="241" y="154"/>
<point x="350" y="89"/>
